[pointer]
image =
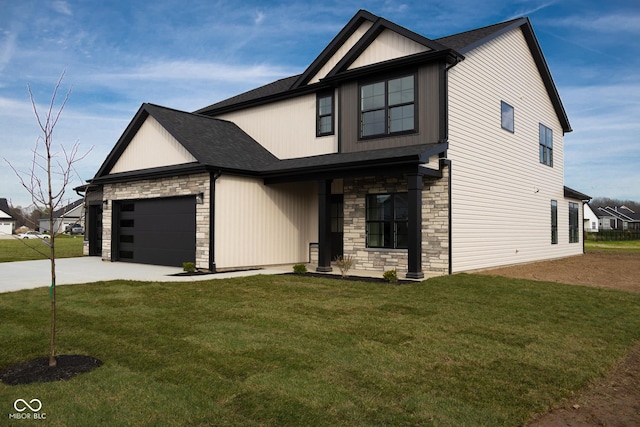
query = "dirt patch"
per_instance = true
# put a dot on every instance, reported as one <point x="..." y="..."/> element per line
<point x="39" y="371"/>
<point x="615" y="399"/>
<point x="599" y="269"/>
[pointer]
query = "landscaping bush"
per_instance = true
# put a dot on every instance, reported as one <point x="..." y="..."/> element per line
<point x="300" y="268"/>
<point x="390" y="276"/>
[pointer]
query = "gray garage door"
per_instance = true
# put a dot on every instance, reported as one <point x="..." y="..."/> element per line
<point x="156" y="231"/>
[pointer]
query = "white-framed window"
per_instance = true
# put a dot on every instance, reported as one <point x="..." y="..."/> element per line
<point x="507" y="117"/>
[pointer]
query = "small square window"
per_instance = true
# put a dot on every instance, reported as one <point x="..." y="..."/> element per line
<point x="324" y="119"/>
<point x="507" y="114"/>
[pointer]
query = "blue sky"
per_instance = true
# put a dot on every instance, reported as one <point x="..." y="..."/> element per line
<point x="186" y="55"/>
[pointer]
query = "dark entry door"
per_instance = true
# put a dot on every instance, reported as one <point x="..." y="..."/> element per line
<point x="337" y="225"/>
<point x="157" y="231"/>
<point x="94" y="230"/>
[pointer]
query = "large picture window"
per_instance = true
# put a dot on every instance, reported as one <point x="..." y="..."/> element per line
<point x="574" y="229"/>
<point x="546" y="145"/>
<point x="387" y="220"/>
<point x="387" y="107"/>
<point x="324" y="109"/>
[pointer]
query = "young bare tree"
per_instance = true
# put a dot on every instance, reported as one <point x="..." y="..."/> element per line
<point x="50" y="173"/>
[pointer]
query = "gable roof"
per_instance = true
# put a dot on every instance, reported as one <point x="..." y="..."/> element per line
<point x="379" y="25"/>
<point x="213" y="142"/>
<point x="295" y="85"/>
<point x="4" y="207"/>
<point x="67" y="209"/>
<point x="450" y="48"/>
<point x="221" y="146"/>
<point x="467" y="41"/>
<point x="621" y="212"/>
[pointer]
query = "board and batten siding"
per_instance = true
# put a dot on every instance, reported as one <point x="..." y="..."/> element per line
<point x="258" y="224"/>
<point x="428" y="82"/>
<point x="387" y="46"/>
<point x="152" y="146"/>
<point x="501" y="193"/>
<point x="286" y="128"/>
<point x="341" y="52"/>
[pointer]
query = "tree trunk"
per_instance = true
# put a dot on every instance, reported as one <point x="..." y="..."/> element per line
<point x="52" y="257"/>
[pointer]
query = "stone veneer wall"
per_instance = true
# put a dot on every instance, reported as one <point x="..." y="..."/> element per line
<point x="435" y="224"/>
<point x="156" y="188"/>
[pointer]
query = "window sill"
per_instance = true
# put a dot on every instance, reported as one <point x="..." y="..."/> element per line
<point x="392" y="250"/>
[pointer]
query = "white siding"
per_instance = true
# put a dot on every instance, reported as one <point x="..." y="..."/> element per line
<point x="258" y="224"/>
<point x="342" y="51"/>
<point x="6" y="227"/>
<point x="501" y="193"/>
<point x="286" y="128"/>
<point x="6" y="223"/>
<point x="590" y="219"/>
<point x="387" y="46"/>
<point x="152" y="146"/>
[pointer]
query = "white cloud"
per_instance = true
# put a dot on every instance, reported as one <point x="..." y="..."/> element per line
<point x="62" y="6"/>
<point x="612" y="24"/>
<point x="259" y="17"/>
<point x="189" y="70"/>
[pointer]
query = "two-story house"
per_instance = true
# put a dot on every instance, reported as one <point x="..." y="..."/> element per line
<point x="400" y="151"/>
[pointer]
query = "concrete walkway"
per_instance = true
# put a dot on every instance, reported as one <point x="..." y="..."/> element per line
<point x="16" y="276"/>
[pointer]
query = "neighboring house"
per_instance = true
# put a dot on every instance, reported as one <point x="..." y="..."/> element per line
<point x="619" y="218"/>
<point x="7" y="222"/>
<point x="400" y="151"/>
<point x="71" y="214"/>
<point x="591" y="220"/>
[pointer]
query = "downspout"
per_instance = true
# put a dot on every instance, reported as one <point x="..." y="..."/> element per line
<point x="449" y="163"/>
<point x="445" y="161"/>
<point x="212" y="219"/>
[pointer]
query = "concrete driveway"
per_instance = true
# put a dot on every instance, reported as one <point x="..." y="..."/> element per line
<point x="16" y="276"/>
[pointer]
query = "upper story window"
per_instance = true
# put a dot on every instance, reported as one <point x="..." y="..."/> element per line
<point x="546" y="145"/>
<point x="388" y="107"/>
<point x="507" y="116"/>
<point x="324" y="108"/>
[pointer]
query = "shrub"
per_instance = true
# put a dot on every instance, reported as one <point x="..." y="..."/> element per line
<point x="390" y="276"/>
<point x="189" y="267"/>
<point x="300" y="269"/>
<point x="344" y="263"/>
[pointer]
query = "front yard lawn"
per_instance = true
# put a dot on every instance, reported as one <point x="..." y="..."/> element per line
<point x="460" y="350"/>
<point x="32" y="249"/>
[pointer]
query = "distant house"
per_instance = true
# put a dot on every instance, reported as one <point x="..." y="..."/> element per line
<point x="619" y="218"/>
<point x="71" y="214"/>
<point x="400" y="151"/>
<point x="7" y="222"/>
<point x="591" y="220"/>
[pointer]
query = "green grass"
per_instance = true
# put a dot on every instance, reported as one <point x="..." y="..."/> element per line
<point x="461" y="350"/>
<point x="32" y="249"/>
<point x="623" y="246"/>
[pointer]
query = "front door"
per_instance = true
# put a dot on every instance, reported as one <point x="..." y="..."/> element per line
<point x="337" y="224"/>
<point x="94" y="230"/>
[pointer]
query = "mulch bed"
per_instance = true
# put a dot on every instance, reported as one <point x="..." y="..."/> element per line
<point x="39" y="371"/>
<point x="353" y="278"/>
